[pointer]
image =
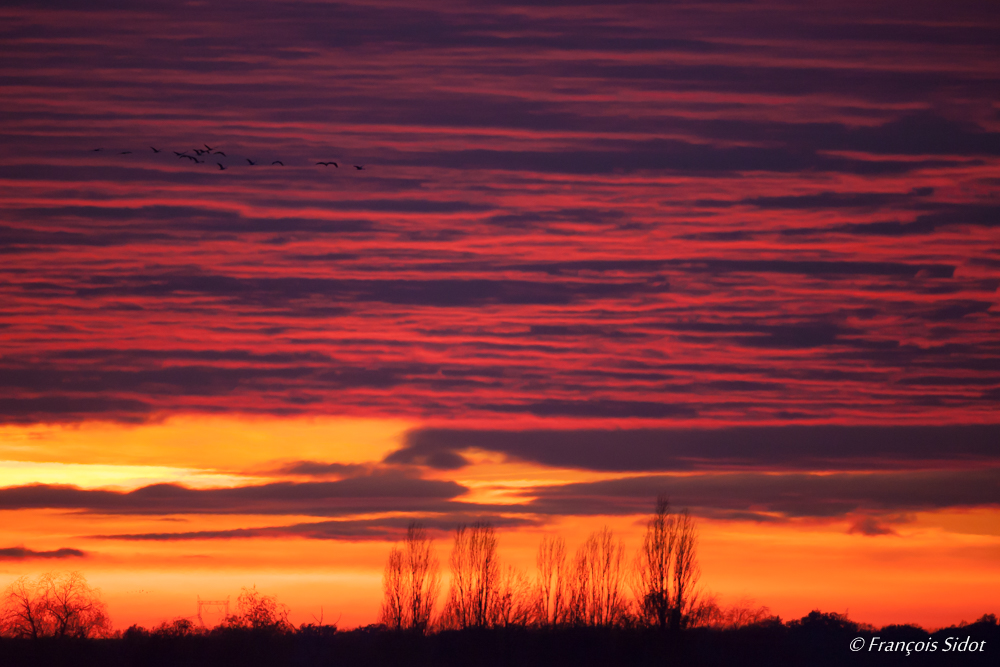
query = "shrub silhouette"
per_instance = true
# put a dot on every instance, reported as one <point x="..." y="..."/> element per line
<point x="259" y="612"/>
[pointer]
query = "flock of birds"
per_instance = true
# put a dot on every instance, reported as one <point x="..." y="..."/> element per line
<point x="210" y="150"/>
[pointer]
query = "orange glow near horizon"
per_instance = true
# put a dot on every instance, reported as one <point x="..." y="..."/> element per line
<point x="935" y="569"/>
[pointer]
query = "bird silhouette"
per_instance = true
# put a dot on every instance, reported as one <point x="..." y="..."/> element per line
<point x="125" y="153"/>
<point x="208" y="147"/>
<point x="179" y="154"/>
<point x="220" y="153"/>
<point x="358" y="167"/>
<point x="199" y="151"/>
<point x="278" y="162"/>
<point x="95" y="150"/>
<point x="327" y="164"/>
<point x="221" y="168"/>
<point x="251" y="161"/>
<point x="154" y="150"/>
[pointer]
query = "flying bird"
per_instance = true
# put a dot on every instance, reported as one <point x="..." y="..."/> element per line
<point x="125" y="153"/>
<point x="221" y="168"/>
<point x="95" y="150"/>
<point x="220" y="153"/>
<point x="154" y="150"/>
<point x="327" y="164"/>
<point x="278" y="162"/>
<point x="358" y="167"/>
<point x="251" y="161"/>
<point x="208" y="147"/>
<point x="180" y="154"/>
<point x="199" y="151"/>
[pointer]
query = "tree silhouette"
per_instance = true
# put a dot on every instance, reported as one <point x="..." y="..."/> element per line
<point x="597" y="590"/>
<point x="54" y="605"/>
<point x="256" y="611"/>
<point x="512" y="604"/>
<point x="551" y="596"/>
<point x="686" y="571"/>
<point x="652" y="572"/>
<point x="665" y="574"/>
<point x="24" y="610"/>
<point x="393" y="612"/>
<point x="475" y="578"/>
<point x="410" y="582"/>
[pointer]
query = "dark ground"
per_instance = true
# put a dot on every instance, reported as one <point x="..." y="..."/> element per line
<point x="815" y="640"/>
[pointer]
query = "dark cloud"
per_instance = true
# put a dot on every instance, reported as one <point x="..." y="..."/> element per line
<point x="105" y="225"/>
<point x="774" y="336"/>
<point x="947" y="215"/>
<point x="319" y="469"/>
<point x="21" y="553"/>
<point x="820" y="268"/>
<point x="673" y="156"/>
<point x="956" y="310"/>
<point x="61" y="407"/>
<point x="787" y="495"/>
<point x="375" y="492"/>
<point x="794" y="447"/>
<point x="440" y="293"/>
<point x="594" y="407"/>
<point x="389" y="528"/>
<point x="871" y="526"/>
<point x="825" y="200"/>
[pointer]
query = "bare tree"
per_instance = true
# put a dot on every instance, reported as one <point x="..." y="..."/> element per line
<point x="666" y="572"/>
<point x="54" y="605"/>
<point x="75" y="607"/>
<point x="410" y="582"/>
<point x="653" y="570"/>
<point x="686" y="571"/>
<point x="424" y="577"/>
<point x="513" y="605"/>
<point x="551" y="593"/>
<point x="597" y="590"/>
<point x="393" y="613"/>
<point x="25" y="610"/>
<point x="475" y="577"/>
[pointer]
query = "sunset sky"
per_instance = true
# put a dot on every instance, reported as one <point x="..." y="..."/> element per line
<point x="745" y="254"/>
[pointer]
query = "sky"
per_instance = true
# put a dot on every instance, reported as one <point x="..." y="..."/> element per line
<point x="570" y="257"/>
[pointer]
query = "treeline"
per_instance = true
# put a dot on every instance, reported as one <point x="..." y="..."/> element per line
<point x="63" y="606"/>
<point x="602" y="585"/>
